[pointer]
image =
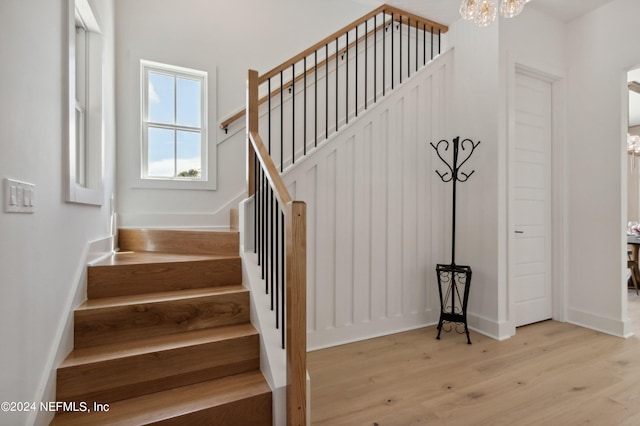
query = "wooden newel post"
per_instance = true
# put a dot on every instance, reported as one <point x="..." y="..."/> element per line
<point x="296" y="312"/>
<point x="252" y="128"/>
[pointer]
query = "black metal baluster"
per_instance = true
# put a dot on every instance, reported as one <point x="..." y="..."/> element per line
<point x="269" y="113"/>
<point x="277" y="290"/>
<point x="326" y="89"/>
<point x="258" y="196"/>
<point x="392" y="53"/>
<point x="337" y="54"/>
<point x="255" y="203"/>
<point x="276" y="255"/>
<point x="265" y="198"/>
<point x="366" y="61"/>
<point x="417" y="55"/>
<point x="375" y="59"/>
<point x="356" y="79"/>
<point x="439" y="39"/>
<point x="293" y="113"/>
<point x="400" y="36"/>
<point x="260" y="212"/>
<point x="424" y="44"/>
<point x="304" y="108"/>
<point x="384" y="53"/>
<point x="432" y="42"/>
<point x="315" y="98"/>
<point x="281" y="123"/>
<point x="346" y="79"/>
<point x="271" y="238"/>
<point x="284" y="284"/>
<point x="267" y="229"/>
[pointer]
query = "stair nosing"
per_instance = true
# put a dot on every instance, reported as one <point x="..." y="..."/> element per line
<point x="159" y="297"/>
<point x="159" y="258"/>
<point x="120" y="350"/>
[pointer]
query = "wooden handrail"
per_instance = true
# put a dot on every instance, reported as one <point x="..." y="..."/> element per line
<point x="399" y="15"/>
<point x="270" y="170"/>
<point x="332" y="37"/>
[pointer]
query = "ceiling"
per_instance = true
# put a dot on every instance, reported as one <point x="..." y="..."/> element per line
<point x="446" y="11"/>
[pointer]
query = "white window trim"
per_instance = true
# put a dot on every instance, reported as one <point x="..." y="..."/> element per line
<point x="207" y="181"/>
<point x="93" y="190"/>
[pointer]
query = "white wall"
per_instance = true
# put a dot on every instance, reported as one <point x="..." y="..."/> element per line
<point x="474" y="115"/>
<point x="41" y="254"/>
<point x="602" y="46"/>
<point x="485" y="60"/>
<point x="229" y="37"/>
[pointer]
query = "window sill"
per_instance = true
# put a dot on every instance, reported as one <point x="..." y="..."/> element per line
<point x="208" y="185"/>
<point x="80" y="195"/>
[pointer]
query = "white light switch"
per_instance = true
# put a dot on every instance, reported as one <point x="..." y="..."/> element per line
<point x="18" y="197"/>
<point x="14" y="196"/>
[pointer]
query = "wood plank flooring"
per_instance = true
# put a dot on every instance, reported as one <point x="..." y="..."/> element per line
<point x="550" y="373"/>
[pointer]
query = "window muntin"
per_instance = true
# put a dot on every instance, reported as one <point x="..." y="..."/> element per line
<point x="173" y="123"/>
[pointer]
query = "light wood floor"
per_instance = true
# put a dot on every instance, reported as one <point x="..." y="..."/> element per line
<point x="550" y="373"/>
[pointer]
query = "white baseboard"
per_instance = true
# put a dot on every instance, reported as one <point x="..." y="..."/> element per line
<point x="218" y="219"/>
<point x="615" y="327"/>
<point x="493" y="329"/>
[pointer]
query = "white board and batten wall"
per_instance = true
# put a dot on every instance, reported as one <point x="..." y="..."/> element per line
<point x="374" y="228"/>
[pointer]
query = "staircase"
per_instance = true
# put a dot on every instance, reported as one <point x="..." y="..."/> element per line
<point x="165" y="338"/>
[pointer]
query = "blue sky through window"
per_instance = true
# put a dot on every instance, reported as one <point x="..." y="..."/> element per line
<point x="173" y="101"/>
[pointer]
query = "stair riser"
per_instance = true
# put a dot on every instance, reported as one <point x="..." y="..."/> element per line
<point x="122" y="280"/>
<point x="226" y="243"/>
<point x="251" y="411"/>
<point x="133" y="376"/>
<point x="130" y="322"/>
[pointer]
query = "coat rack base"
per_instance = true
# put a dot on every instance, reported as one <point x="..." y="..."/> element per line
<point x="453" y="286"/>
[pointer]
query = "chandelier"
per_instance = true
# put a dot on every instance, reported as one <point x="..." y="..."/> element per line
<point x="483" y="12"/>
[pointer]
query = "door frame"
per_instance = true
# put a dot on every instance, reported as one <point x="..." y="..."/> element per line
<point x="559" y="256"/>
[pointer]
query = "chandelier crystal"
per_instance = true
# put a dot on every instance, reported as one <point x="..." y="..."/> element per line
<point x="468" y="9"/>
<point x="484" y="12"/>
<point x="511" y="8"/>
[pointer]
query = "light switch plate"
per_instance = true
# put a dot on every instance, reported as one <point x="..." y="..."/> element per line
<point x="18" y="197"/>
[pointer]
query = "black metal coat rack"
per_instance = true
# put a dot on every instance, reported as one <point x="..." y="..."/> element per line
<point x="454" y="280"/>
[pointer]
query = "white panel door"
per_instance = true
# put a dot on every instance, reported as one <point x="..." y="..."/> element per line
<point x="530" y="249"/>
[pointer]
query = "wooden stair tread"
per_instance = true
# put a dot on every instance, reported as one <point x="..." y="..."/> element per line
<point x="156" y="344"/>
<point x="109" y="302"/>
<point x="173" y="403"/>
<point x="145" y="257"/>
<point x="164" y="337"/>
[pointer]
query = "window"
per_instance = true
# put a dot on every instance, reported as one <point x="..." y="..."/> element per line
<point x="82" y="50"/>
<point x="85" y="105"/>
<point x="174" y="123"/>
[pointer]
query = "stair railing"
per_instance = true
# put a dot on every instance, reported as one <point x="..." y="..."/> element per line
<point x="312" y="95"/>
<point x="308" y="98"/>
<point x="280" y="228"/>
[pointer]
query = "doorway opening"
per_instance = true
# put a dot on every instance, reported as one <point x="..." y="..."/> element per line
<point x="633" y="197"/>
